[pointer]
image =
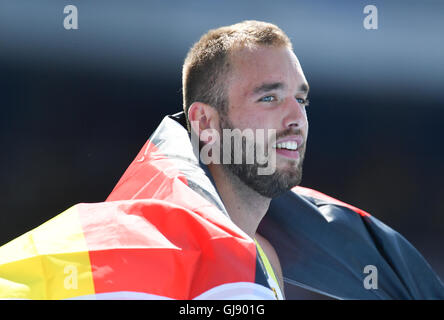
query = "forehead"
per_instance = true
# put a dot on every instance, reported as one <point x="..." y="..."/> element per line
<point x="252" y="67"/>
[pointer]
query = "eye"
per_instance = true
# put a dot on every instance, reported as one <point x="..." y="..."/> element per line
<point x="304" y="102"/>
<point x="267" y="99"/>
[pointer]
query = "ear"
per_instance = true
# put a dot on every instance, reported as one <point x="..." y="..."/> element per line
<point x="202" y="117"/>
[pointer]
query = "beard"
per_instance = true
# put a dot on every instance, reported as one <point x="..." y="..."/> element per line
<point x="271" y="185"/>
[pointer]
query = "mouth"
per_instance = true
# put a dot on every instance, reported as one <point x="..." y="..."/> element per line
<point x="289" y="147"/>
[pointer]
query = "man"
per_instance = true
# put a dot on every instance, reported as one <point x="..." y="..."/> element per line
<point x="250" y="79"/>
<point x="179" y="226"/>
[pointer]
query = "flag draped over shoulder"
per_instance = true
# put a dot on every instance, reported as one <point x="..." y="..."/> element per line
<point x="125" y="247"/>
<point x="164" y="233"/>
<point x="154" y="238"/>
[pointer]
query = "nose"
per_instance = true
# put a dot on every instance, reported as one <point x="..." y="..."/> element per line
<point x="294" y="115"/>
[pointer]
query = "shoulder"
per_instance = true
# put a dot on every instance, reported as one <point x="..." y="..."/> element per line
<point x="321" y="198"/>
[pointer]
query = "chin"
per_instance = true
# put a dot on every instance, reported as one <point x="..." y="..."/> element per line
<point x="287" y="165"/>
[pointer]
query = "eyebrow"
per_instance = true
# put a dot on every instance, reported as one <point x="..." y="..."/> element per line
<point x="265" y="87"/>
<point x="270" y="86"/>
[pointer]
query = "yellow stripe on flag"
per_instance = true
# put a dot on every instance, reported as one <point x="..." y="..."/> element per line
<point x="49" y="262"/>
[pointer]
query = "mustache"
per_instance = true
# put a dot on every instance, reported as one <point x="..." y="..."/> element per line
<point x="289" y="132"/>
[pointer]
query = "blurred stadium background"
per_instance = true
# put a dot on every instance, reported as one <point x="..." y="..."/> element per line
<point x="76" y="106"/>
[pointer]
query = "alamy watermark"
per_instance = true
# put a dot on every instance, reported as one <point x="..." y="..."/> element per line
<point x="70" y="282"/>
<point x="235" y="146"/>
<point x="371" y="280"/>
<point x="370" y="21"/>
<point x="71" y="21"/>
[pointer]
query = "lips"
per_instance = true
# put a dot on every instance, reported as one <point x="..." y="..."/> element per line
<point x="289" y="146"/>
<point x="288" y="142"/>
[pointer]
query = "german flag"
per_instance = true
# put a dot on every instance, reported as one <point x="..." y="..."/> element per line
<point x="154" y="238"/>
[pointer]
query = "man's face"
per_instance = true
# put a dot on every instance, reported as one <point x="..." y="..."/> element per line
<point x="267" y="90"/>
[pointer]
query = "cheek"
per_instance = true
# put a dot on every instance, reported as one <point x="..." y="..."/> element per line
<point x="254" y="120"/>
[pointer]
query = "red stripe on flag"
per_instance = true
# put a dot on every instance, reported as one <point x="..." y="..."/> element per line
<point x="148" y="176"/>
<point x="174" y="243"/>
<point x="159" y="248"/>
<point x="318" y="195"/>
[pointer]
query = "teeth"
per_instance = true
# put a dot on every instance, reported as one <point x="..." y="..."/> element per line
<point x="290" y="145"/>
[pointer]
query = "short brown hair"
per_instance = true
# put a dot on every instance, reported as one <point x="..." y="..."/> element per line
<point x="207" y="62"/>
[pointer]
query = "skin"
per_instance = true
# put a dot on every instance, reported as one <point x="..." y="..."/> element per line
<point x="280" y="107"/>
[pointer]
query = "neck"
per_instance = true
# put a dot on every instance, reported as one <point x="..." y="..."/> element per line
<point x="245" y="206"/>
